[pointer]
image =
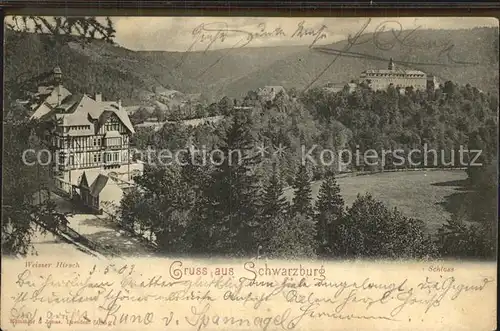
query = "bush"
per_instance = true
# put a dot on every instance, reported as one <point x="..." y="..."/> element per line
<point x="371" y="230"/>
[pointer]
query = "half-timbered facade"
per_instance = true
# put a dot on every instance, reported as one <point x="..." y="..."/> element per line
<point x="89" y="134"/>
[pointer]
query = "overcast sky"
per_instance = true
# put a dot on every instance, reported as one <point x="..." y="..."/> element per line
<point x="179" y="33"/>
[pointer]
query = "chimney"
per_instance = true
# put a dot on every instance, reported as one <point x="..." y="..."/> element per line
<point x="391" y="64"/>
<point x="98" y="97"/>
<point x="57" y="75"/>
<point x="119" y="103"/>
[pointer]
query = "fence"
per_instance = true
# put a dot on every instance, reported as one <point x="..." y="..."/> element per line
<point x="63" y="231"/>
<point x="143" y="236"/>
<point x="363" y="173"/>
<point x="62" y="187"/>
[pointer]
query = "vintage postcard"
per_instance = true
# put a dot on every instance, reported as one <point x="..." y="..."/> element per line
<point x="250" y="173"/>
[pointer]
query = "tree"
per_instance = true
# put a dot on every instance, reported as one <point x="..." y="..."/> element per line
<point x="371" y="230"/>
<point x="196" y="173"/>
<point x="460" y="240"/>
<point x="225" y="106"/>
<point x="275" y="208"/>
<point x="140" y="115"/>
<point x="294" y="237"/>
<point x="22" y="215"/>
<point x="302" y="193"/>
<point x="472" y="230"/>
<point x="87" y="28"/>
<point x="23" y="183"/>
<point x="329" y="213"/>
<point x="161" y="205"/>
<point x="232" y="199"/>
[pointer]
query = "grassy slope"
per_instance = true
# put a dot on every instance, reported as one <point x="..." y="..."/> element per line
<point x="413" y="193"/>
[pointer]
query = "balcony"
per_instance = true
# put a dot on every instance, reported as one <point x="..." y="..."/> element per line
<point x="112" y="162"/>
<point x="112" y="141"/>
<point x="111" y="147"/>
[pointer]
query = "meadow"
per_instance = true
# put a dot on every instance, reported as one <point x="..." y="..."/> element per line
<point x="417" y="194"/>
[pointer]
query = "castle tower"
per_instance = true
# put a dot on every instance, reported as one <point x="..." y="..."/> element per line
<point x="391" y="64"/>
<point x="57" y="75"/>
<point x="57" y="81"/>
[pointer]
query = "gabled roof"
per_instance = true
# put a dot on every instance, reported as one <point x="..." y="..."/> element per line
<point x="49" y="96"/>
<point x="70" y="101"/>
<point x="98" y="185"/>
<point x="103" y="118"/>
<point x="81" y="110"/>
<point x="112" y="134"/>
<point x="41" y="111"/>
<point x="84" y="182"/>
<point x="110" y="107"/>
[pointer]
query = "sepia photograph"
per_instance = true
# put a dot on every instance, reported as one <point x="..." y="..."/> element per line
<point x="321" y="139"/>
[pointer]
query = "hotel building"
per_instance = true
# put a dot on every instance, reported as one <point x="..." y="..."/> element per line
<point x="89" y="139"/>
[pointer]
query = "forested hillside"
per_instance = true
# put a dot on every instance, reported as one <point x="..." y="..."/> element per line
<point x="195" y="195"/>
<point x="228" y="208"/>
<point x="462" y="56"/>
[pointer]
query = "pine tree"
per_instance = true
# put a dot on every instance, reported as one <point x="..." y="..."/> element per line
<point x="329" y="212"/>
<point x="274" y="208"/>
<point x="162" y="206"/>
<point x="196" y="172"/>
<point x="303" y="194"/>
<point x="232" y="200"/>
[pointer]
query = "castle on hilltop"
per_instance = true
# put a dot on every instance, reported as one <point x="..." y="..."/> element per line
<point x="381" y="79"/>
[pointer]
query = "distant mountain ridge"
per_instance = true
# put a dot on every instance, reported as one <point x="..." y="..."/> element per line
<point x="463" y="56"/>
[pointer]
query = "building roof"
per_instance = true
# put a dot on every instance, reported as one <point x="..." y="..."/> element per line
<point x="394" y="71"/>
<point x="83" y="181"/>
<point x="268" y="89"/>
<point x="42" y="110"/>
<point x="97" y="186"/>
<point x="112" y="192"/>
<point x="112" y="134"/>
<point x="48" y="97"/>
<point x="103" y="186"/>
<point x="82" y="110"/>
<point x="167" y="93"/>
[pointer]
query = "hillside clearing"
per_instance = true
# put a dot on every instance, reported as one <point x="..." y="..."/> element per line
<point x="417" y="194"/>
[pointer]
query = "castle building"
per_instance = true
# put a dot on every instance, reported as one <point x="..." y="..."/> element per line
<point x="89" y="136"/>
<point x="380" y="79"/>
<point x="269" y="93"/>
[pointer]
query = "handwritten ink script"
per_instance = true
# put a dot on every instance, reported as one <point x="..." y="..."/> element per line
<point x="210" y="33"/>
<point x="384" y="36"/>
<point x="391" y="33"/>
<point x="250" y="295"/>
